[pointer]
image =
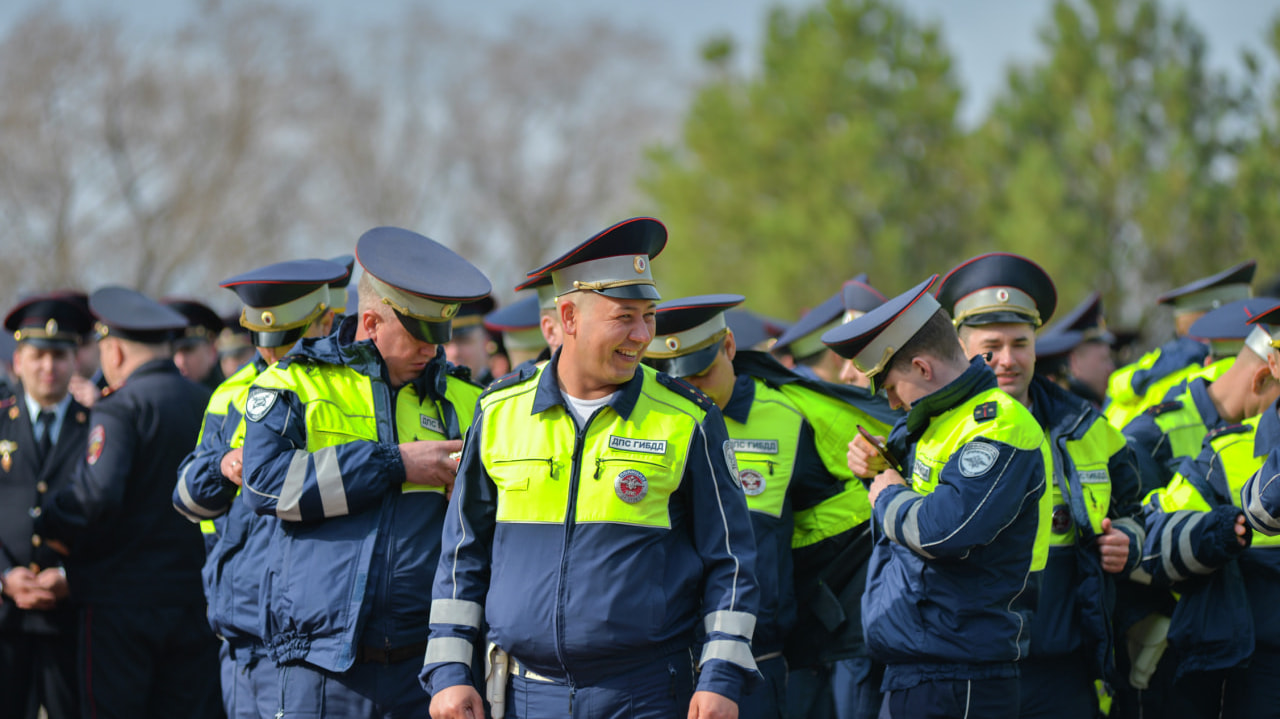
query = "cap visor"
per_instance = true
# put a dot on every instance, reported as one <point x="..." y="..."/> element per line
<point x="436" y="333"/>
<point x="688" y="365"/>
<point x="632" y="292"/>
<point x="277" y="339"/>
<point x="997" y="318"/>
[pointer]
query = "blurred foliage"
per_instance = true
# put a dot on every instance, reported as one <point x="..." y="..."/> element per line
<point x="1117" y="160"/>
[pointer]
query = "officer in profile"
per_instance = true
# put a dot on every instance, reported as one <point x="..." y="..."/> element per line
<point x="132" y="563"/>
<point x="1086" y="350"/>
<point x="550" y="316"/>
<point x="282" y="303"/>
<point x="597" y="524"/>
<point x="347" y="442"/>
<point x="339" y="296"/>
<point x="43" y="431"/>
<point x="802" y="344"/>
<point x="997" y="300"/>
<point x="471" y="346"/>
<point x="235" y="349"/>
<point x="1137" y="386"/>
<point x="521" y="326"/>
<point x="950" y="585"/>
<point x="194" y="351"/>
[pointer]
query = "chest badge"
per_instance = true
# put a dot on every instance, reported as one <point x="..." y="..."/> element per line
<point x="630" y="486"/>
<point x="97" y="438"/>
<point x="13" y="412"/>
<point x="753" y="483"/>
<point x="1061" y="519"/>
<point x="7" y="448"/>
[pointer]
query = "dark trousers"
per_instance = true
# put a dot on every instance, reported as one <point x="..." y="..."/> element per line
<point x="143" y="662"/>
<point x="658" y="690"/>
<point x="38" y="670"/>
<point x="954" y="699"/>
<point x="769" y="699"/>
<point x="1057" y="688"/>
<point x="845" y="689"/>
<point x="368" y="690"/>
<point x="250" y="682"/>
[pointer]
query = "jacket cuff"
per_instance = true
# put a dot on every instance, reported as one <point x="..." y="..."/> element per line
<point x="727" y="680"/>
<point x="443" y="676"/>
<point x="389" y="455"/>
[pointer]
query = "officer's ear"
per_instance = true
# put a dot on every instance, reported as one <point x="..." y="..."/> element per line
<point x="924" y="366"/>
<point x="1261" y="376"/>
<point x="569" y="314"/>
<point x="730" y="346"/>
<point x="369" y="321"/>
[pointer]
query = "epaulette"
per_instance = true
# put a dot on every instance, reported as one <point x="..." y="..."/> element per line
<point x="462" y="372"/>
<point x="507" y="380"/>
<point x="985" y="412"/>
<point x="1227" y="430"/>
<point x="8" y="402"/>
<point x="1156" y="410"/>
<point x="686" y="390"/>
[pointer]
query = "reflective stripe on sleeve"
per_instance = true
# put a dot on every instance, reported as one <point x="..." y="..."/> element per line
<point x="448" y="649"/>
<point x="891" y="515"/>
<point x="456" y="611"/>
<point x="1259" y="517"/>
<point x="189" y="506"/>
<point x="1167" y="545"/>
<point x="911" y="531"/>
<point x="1132" y="527"/>
<point x="287" y="507"/>
<point x="740" y="624"/>
<point x="1185" y="552"/>
<point x="727" y="650"/>
<point x="333" y="495"/>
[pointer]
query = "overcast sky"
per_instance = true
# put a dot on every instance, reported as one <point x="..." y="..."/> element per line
<point x="984" y="35"/>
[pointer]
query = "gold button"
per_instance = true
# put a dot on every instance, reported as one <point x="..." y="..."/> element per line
<point x="34" y="512"/>
<point x="36" y="541"/>
<point x="42" y="487"/>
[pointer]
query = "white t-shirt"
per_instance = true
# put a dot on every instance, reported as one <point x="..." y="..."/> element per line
<point x="582" y="409"/>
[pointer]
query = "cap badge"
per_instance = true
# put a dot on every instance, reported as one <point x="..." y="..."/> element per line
<point x="51" y="327"/>
<point x="1002" y="295"/>
<point x="752" y="482"/>
<point x="7" y="448"/>
<point x="268" y="318"/>
<point x="631" y="486"/>
<point x="641" y="263"/>
<point x="673" y="343"/>
<point x="448" y="311"/>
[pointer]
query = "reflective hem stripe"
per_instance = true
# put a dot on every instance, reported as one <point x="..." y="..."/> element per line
<point x="1185" y="552"/>
<point x="189" y="504"/>
<point x="891" y="515"/>
<point x="333" y="495"/>
<point x="448" y="649"/>
<point x="456" y="611"/>
<point x="730" y="651"/>
<point x="1167" y="545"/>
<point x="287" y="506"/>
<point x="1259" y="517"/>
<point x="911" y="531"/>
<point x="741" y="624"/>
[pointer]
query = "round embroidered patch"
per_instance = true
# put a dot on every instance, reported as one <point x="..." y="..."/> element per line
<point x="1061" y="519"/>
<point x="976" y="458"/>
<point x="731" y="459"/>
<point x="753" y="483"/>
<point x="630" y="486"/>
<point x="97" y="438"/>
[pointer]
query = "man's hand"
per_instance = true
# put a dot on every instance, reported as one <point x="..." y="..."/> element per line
<point x="864" y="460"/>
<point x="1241" y="531"/>
<point x="55" y="581"/>
<point x="84" y="391"/>
<point x="232" y="466"/>
<point x="1113" y="547"/>
<point x="884" y="479"/>
<point x="428" y="462"/>
<point x="20" y="585"/>
<point x="709" y="705"/>
<point x="458" y="702"/>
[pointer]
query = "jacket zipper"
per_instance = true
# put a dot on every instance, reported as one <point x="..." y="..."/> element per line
<point x="579" y="440"/>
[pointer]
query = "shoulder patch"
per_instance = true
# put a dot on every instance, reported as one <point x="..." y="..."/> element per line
<point x="686" y="390"/>
<point x="977" y="458"/>
<point x="259" y="403"/>
<point x="1227" y="430"/>
<point x="97" y="440"/>
<point x="1156" y="410"/>
<point x="985" y="412"/>
<point x="508" y="380"/>
<point x="731" y="459"/>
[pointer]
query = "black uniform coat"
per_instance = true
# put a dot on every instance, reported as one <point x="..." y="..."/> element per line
<point x="128" y="544"/>
<point x="25" y="481"/>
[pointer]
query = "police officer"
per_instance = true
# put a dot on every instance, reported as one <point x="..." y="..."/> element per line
<point x="339" y="299"/>
<point x="997" y="300"/>
<point x="235" y="349"/>
<point x="42" y="436"/>
<point x="194" y="351"/>
<point x="1086" y="355"/>
<point x="283" y="303"/>
<point x="801" y="345"/>
<point x="794" y="500"/>
<point x="347" y="443"/>
<point x="1229" y="391"/>
<point x="133" y="563"/>
<point x="521" y="326"/>
<point x="550" y="317"/>
<point x="756" y="332"/>
<point x="597" y="524"/>
<point x="1137" y="386"/>
<point x="947" y="600"/>
<point x="471" y="346"/>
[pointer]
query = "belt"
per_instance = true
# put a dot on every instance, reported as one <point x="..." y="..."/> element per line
<point x="375" y="655"/>
<point x="519" y="670"/>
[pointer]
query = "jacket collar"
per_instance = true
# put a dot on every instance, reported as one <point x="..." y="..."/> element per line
<point x="738" y="408"/>
<point x="548" y="394"/>
<point x="1267" y="436"/>
<point x="1058" y="411"/>
<point x="341" y="347"/>
<point x="1198" y="388"/>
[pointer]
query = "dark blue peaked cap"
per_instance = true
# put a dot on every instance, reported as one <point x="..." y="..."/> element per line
<point x="131" y="315"/>
<point x="1214" y="291"/>
<point x="348" y="262"/>
<point x="283" y="282"/>
<point x="203" y="324"/>
<point x="831" y="310"/>
<point x="1087" y="319"/>
<point x="859" y="296"/>
<point x="1234" y="320"/>
<point x="48" y="321"/>
<point x="613" y="262"/>
<point x="521" y="315"/>
<point x="750" y="329"/>
<point x="689" y="333"/>
<point x="1054" y="343"/>
<point x="872" y="339"/>
<point x="425" y="282"/>
<point x="998" y="287"/>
